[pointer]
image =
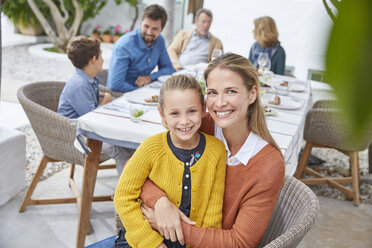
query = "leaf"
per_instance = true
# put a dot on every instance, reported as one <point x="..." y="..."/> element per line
<point x="348" y="62"/>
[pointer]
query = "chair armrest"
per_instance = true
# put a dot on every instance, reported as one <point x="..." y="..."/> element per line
<point x="115" y="94"/>
<point x="325" y="104"/>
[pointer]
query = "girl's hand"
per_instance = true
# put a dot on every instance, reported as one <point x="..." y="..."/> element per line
<point x="168" y="219"/>
<point x="162" y="245"/>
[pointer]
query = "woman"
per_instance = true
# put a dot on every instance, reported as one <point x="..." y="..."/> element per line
<point x="255" y="167"/>
<point x="266" y="36"/>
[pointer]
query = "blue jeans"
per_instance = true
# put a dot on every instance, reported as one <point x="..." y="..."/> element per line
<point x="106" y="243"/>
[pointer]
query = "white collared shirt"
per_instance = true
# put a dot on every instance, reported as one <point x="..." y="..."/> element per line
<point x="252" y="145"/>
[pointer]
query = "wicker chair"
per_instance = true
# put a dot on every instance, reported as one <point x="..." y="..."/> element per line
<point x="56" y="135"/>
<point x="323" y="128"/>
<point x="295" y="212"/>
<point x="103" y="75"/>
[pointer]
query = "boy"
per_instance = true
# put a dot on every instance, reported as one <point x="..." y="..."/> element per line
<point x="81" y="93"/>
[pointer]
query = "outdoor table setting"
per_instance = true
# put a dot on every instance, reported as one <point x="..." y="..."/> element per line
<point x="128" y="120"/>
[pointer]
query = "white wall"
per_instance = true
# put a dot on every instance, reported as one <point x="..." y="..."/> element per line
<point x="303" y="27"/>
<point x="123" y="14"/>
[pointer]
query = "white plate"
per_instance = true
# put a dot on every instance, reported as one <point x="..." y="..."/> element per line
<point x="295" y="85"/>
<point x="286" y="102"/>
<point x="164" y="78"/>
<point x="139" y="96"/>
<point x="297" y="88"/>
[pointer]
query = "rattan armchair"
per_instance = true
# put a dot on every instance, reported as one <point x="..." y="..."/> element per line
<point x="56" y="135"/>
<point x="295" y="212"/>
<point x="103" y="75"/>
<point x="324" y="128"/>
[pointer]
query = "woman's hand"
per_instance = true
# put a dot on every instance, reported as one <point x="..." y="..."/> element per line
<point x="168" y="220"/>
<point x="162" y="245"/>
<point x="149" y="215"/>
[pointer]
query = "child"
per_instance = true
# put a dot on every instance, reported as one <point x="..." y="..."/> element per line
<point x="188" y="165"/>
<point x="81" y="93"/>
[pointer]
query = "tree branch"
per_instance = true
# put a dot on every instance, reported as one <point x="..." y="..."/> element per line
<point x="329" y="11"/>
<point x="79" y="14"/>
<point x="65" y="12"/>
<point x="135" y="18"/>
<point x="43" y="22"/>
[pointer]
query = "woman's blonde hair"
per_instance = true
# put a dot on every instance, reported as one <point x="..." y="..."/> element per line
<point x="247" y="72"/>
<point x="180" y="82"/>
<point x="265" y="31"/>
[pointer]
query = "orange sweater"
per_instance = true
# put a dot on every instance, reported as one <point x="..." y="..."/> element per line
<point x="250" y="197"/>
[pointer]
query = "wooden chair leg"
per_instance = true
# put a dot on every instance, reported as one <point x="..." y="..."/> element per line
<point x="72" y="171"/>
<point x="44" y="161"/>
<point x="354" y="167"/>
<point x="304" y="158"/>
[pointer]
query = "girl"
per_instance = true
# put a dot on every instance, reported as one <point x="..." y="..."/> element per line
<point x="255" y="166"/>
<point x="186" y="164"/>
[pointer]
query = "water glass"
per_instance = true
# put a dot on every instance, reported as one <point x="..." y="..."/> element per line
<point x="264" y="62"/>
<point x="216" y="53"/>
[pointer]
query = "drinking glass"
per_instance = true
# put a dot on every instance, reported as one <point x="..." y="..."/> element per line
<point x="216" y="53"/>
<point x="264" y="63"/>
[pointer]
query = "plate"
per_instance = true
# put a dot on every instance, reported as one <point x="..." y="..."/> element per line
<point x="139" y="96"/>
<point x="164" y="78"/>
<point x="286" y="102"/>
<point x="295" y="87"/>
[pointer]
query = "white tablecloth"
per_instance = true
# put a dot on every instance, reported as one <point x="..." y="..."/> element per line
<point x="111" y="123"/>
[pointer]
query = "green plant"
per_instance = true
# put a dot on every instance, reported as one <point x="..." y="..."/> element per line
<point x="19" y="12"/>
<point x="348" y="62"/>
<point x="60" y="19"/>
<point x="107" y="31"/>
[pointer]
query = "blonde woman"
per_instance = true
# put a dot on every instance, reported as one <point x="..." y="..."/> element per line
<point x="266" y="36"/>
<point x="255" y="166"/>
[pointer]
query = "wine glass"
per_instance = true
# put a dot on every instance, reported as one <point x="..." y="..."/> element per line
<point x="216" y="53"/>
<point x="264" y="63"/>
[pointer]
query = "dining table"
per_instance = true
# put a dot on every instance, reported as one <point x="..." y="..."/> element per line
<point x="113" y="123"/>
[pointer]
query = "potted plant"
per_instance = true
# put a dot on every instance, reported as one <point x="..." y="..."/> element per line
<point x="107" y="35"/>
<point x="23" y="17"/>
<point x="96" y="33"/>
<point x="118" y="32"/>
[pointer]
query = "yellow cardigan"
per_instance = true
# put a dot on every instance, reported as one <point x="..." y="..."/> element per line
<point x="155" y="160"/>
<point x="180" y="42"/>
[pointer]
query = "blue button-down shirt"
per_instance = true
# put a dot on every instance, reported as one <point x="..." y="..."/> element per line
<point x="196" y="50"/>
<point x="131" y="58"/>
<point x="79" y="96"/>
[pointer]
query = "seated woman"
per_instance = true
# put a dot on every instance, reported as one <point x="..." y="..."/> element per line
<point x="255" y="166"/>
<point x="266" y="36"/>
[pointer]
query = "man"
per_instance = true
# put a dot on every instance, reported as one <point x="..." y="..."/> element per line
<point x="137" y="53"/>
<point x="191" y="47"/>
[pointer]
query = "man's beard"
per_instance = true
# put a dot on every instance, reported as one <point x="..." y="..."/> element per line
<point x="148" y="39"/>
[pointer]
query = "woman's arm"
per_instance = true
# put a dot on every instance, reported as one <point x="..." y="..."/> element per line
<point x="252" y="219"/>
